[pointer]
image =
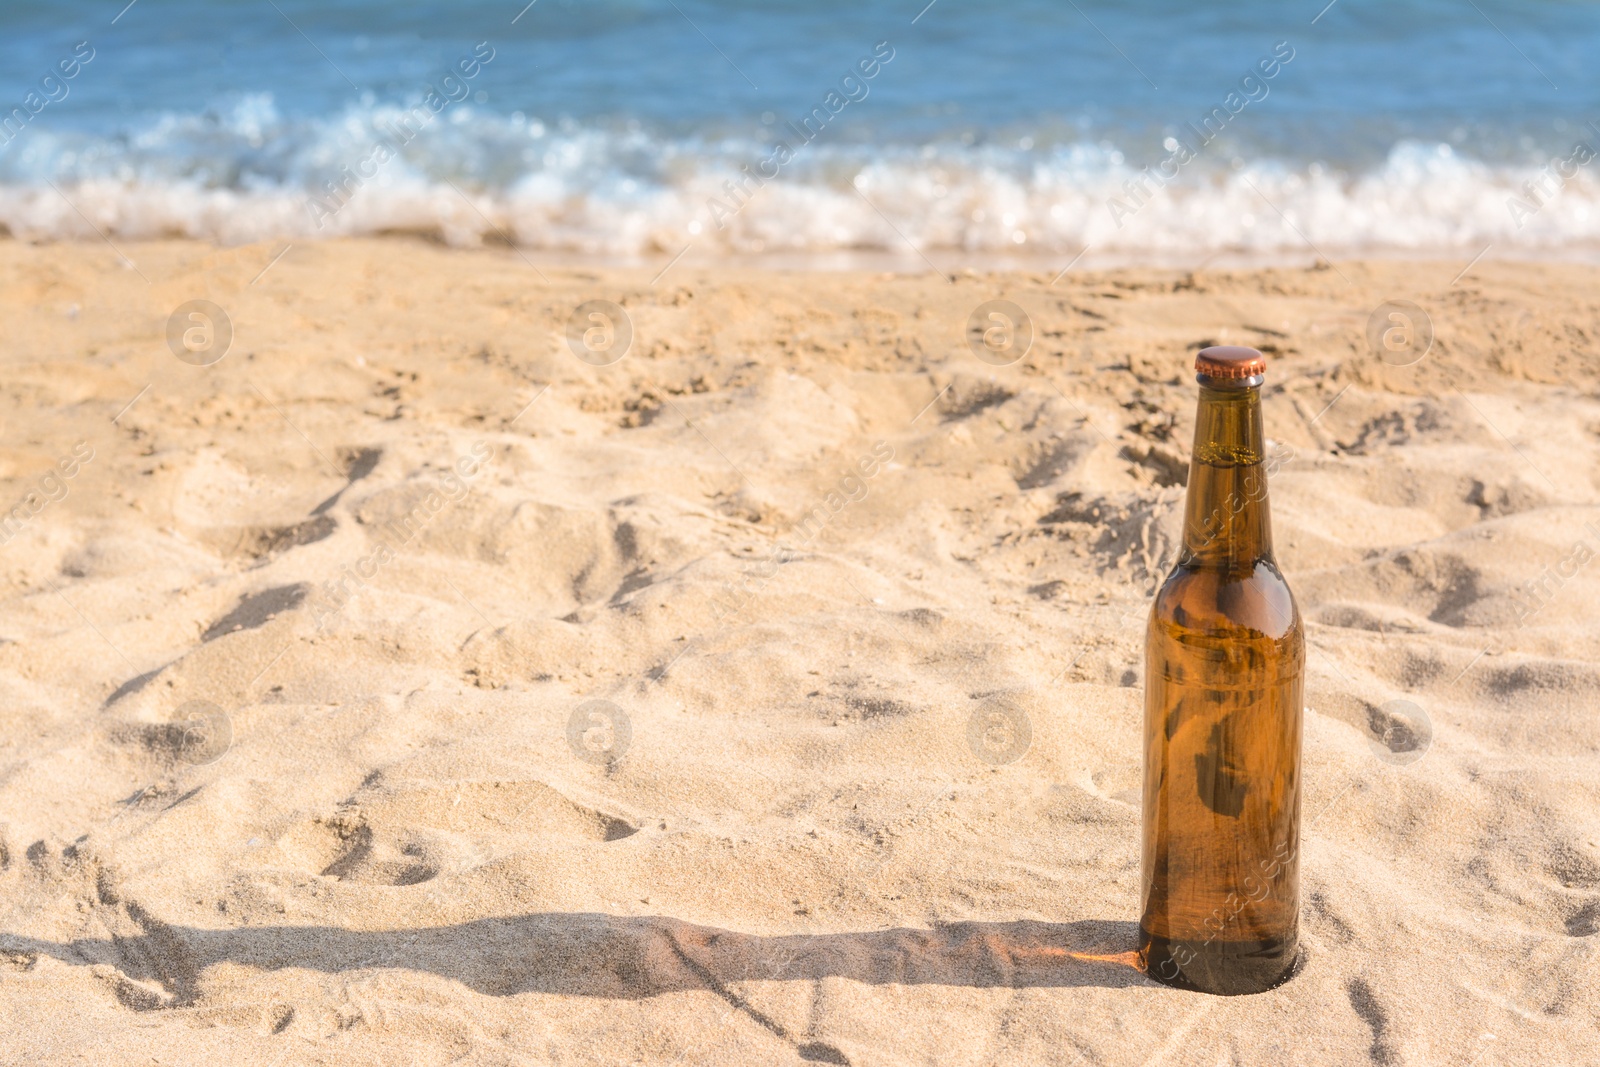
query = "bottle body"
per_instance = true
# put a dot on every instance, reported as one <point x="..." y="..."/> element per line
<point x="1224" y="677"/>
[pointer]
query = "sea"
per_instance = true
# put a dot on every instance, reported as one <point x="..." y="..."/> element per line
<point x="640" y="129"/>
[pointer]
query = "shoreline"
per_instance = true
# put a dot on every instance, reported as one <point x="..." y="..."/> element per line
<point x="908" y="262"/>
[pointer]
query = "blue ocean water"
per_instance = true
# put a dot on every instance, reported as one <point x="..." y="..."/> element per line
<point x="629" y="127"/>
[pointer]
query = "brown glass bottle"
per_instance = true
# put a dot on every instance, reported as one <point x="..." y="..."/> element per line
<point x="1224" y="671"/>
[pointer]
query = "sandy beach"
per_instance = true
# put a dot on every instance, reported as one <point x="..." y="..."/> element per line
<point x="397" y="686"/>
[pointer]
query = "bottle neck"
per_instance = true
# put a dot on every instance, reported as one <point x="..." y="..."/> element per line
<point x="1226" y="522"/>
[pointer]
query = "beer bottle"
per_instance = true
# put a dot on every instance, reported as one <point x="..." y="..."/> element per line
<point x="1224" y="670"/>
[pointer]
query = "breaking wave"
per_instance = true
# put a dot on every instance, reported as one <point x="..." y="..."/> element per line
<point x="242" y="173"/>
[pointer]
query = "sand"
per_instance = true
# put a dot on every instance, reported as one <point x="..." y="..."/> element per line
<point x="299" y="760"/>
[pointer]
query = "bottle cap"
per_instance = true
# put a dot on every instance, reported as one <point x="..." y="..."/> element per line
<point x="1230" y="362"/>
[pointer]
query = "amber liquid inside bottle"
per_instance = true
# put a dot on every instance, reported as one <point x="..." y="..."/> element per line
<point x="1224" y="670"/>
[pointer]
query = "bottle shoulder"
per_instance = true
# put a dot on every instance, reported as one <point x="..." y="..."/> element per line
<point x="1253" y="603"/>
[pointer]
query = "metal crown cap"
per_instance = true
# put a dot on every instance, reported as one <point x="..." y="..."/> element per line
<point x="1230" y="361"/>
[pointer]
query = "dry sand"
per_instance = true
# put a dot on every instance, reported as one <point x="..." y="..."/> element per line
<point x="389" y="845"/>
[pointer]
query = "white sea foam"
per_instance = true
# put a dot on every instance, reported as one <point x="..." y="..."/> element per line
<point x="244" y="173"/>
